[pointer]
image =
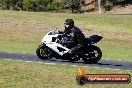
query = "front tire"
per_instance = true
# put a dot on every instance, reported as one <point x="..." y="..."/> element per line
<point x="92" y="55"/>
<point x="43" y="52"/>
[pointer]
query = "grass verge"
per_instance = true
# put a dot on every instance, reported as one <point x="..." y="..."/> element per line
<point x="19" y="74"/>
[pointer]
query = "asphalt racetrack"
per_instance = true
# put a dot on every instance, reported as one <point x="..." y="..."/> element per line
<point x="114" y="64"/>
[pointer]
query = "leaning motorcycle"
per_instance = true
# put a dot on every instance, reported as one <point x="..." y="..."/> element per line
<point x="50" y="48"/>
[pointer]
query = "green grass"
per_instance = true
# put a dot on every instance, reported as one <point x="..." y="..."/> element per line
<point x="22" y="31"/>
<point x="114" y="49"/>
<point x="18" y="47"/>
<point x="19" y="74"/>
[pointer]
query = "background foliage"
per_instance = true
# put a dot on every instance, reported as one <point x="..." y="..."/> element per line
<point x="31" y="5"/>
<point x="50" y="5"/>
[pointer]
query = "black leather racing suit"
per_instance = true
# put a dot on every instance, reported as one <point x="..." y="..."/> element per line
<point x="75" y="38"/>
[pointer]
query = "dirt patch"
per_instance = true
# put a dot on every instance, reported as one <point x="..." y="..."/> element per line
<point x="121" y="10"/>
<point x="33" y="28"/>
<point x="111" y="34"/>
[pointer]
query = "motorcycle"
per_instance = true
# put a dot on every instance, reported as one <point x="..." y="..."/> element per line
<point x="50" y="47"/>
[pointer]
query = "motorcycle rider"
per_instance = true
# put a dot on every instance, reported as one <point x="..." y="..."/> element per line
<point x="75" y="36"/>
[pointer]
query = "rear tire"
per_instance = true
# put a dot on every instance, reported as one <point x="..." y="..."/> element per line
<point x="43" y="52"/>
<point x="92" y="55"/>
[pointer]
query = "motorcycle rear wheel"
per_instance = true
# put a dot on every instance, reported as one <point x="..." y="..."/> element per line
<point x="92" y="55"/>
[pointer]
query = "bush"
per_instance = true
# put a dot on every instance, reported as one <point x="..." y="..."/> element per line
<point x="51" y="7"/>
<point x="41" y="5"/>
<point x="10" y="4"/>
<point x="30" y="5"/>
<point x="35" y="4"/>
<point x="54" y="6"/>
<point x="5" y="4"/>
<point x="107" y="7"/>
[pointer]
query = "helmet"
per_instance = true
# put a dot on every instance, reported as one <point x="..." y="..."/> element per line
<point x="69" y="22"/>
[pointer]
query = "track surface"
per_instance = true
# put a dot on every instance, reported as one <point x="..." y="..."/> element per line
<point x="114" y="64"/>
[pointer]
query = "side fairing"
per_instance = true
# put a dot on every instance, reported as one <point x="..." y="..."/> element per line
<point x="48" y="37"/>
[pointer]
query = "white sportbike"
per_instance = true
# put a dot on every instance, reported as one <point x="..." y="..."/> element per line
<point x="50" y="47"/>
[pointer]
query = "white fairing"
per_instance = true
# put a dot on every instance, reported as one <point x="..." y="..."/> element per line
<point x="47" y="39"/>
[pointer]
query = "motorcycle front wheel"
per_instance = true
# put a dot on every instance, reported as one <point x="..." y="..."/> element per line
<point x="43" y="52"/>
<point x="92" y="55"/>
